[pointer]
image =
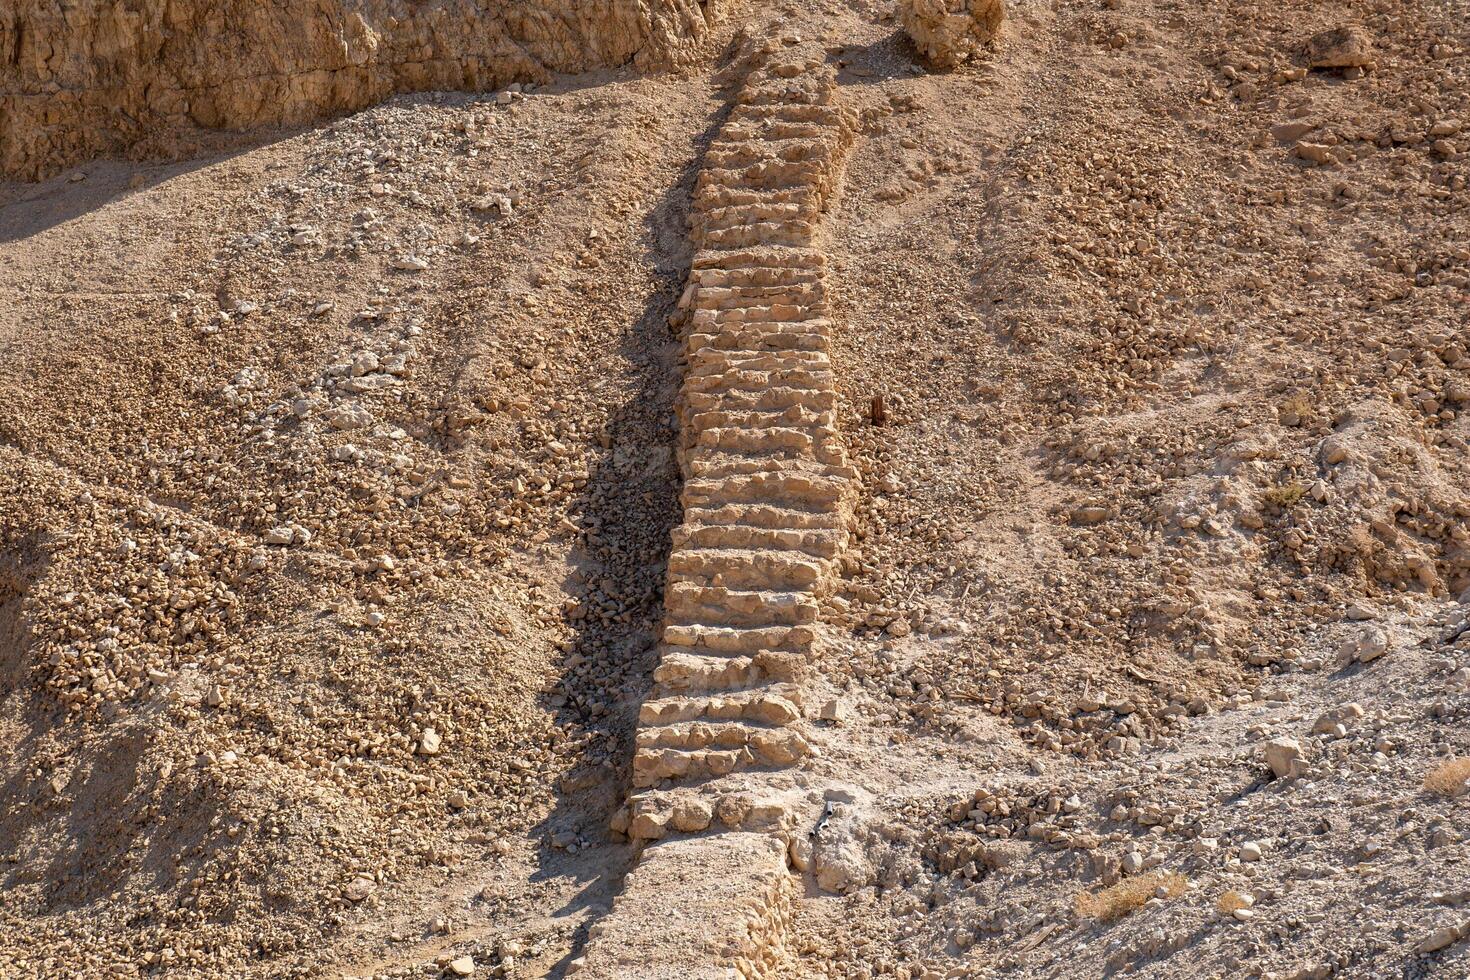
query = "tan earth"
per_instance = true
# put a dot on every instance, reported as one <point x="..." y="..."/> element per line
<point x="1060" y="462"/>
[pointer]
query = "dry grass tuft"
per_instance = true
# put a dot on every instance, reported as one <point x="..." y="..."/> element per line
<point x="1118" y="900"/>
<point x="1232" y="900"/>
<point x="1285" y="496"/>
<point x="1448" y="778"/>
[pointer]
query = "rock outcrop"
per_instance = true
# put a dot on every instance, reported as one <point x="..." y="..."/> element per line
<point x="82" y="80"/>
<point x="948" y="32"/>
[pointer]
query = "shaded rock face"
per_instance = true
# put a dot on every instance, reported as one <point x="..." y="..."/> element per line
<point x="949" y="32"/>
<point x="110" y="76"/>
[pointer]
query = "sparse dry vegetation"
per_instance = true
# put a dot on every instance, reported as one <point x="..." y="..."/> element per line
<point x="1286" y="495"/>
<point x="1448" y="778"/>
<point x="1232" y="900"/>
<point x="1116" y="901"/>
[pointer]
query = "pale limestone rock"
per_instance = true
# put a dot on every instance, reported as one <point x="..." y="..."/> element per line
<point x="1284" y="756"/>
<point x="691" y="816"/>
<point x="950" y="32"/>
<point x="838" y="859"/>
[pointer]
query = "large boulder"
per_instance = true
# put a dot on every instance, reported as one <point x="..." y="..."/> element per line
<point x="949" y="32"/>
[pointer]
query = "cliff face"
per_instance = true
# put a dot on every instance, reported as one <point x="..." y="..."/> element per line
<point x="79" y="78"/>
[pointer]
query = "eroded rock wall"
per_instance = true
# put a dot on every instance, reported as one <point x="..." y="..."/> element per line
<point x="78" y="80"/>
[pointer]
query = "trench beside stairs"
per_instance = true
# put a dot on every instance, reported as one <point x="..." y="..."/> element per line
<point x="767" y="502"/>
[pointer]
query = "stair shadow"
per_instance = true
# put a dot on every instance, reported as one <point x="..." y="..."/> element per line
<point x="626" y="515"/>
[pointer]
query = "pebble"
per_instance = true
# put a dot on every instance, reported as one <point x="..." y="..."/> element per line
<point x="1250" y="851"/>
<point x="358" y="889"/>
<point x="279" y="536"/>
<point x="464" y="966"/>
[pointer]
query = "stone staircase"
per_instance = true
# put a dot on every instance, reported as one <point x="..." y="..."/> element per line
<point x="767" y="486"/>
<point x="767" y="499"/>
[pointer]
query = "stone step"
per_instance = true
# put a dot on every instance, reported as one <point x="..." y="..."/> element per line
<point x="792" y="232"/>
<point x="700" y="749"/>
<point x="775" y="439"/>
<point x="817" y="542"/>
<point x="733" y="417"/>
<point x="770" y="517"/>
<point x="765" y="747"/>
<point x="738" y="380"/>
<point x="713" y="362"/>
<point x="757" y="276"/>
<point x="790" y="491"/>
<point x="734" y="568"/>
<point x="773" y="704"/>
<point x="766" y="399"/>
<point x="731" y="918"/>
<point x="757" y="337"/>
<point x="774" y="257"/>
<point x="768" y="175"/>
<point x="683" y="672"/>
<point x="757" y="311"/>
<point x="720" y="734"/>
<point x="811" y="294"/>
<point x="746" y="641"/>
<point x="688" y="604"/>
<point x="762" y="747"/>
<point x="826" y="458"/>
<point x="729" y="154"/>
<point x="712" y="197"/>
<point x="827" y="116"/>
<point x="738" y="215"/>
<point x="786" y="93"/>
<point x="773" y="128"/>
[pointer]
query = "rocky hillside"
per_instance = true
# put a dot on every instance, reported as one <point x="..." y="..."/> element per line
<point x="340" y="473"/>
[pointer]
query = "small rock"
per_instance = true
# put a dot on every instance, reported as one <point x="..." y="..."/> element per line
<point x="649" y="826"/>
<point x="834" y="711"/>
<point x="429" y="742"/>
<point x="1290" y="132"/>
<point x="692" y="816"/>
<point x="464" y="966"/>
<point x="358" y="889"/>
<point x="1250" y="851"/>
<point x="1340" y="47"/>
<point x="410" y="263"/>
<point x="1284" y="756"/>
<point x="280" y="536"/>
<point x="1442" y="937"/>
<point x="1330" y="722"/>
<point x="1372" y="644"/>
<point x="1315" y="152"/>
